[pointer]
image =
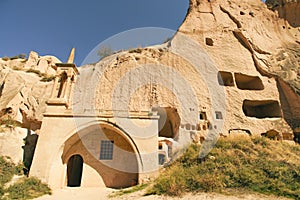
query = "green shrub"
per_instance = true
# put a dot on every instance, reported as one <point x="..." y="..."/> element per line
<point x="172" y="183"/>
<point x="7" y="170"/>
<point x="27" y="188"/>
<point x="272" y="3"/>
<point x="1" y="192"/>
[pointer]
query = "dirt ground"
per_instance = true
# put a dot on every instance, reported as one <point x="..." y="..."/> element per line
<point x="104" y="193"/>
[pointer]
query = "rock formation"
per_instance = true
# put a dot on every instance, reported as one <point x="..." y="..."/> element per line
<point x="241" y="48"/>
<point x="25" y="85"/>
<point x="249" y="37"/>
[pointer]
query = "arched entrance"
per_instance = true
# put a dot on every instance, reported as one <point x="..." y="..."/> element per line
<point x="107" y="151"/>
<point x="74" y="171"/>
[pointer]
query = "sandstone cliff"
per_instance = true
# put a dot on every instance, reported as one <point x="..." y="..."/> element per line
<point x="25" y="85"/>
<point x="238" y="37"/>
<point x="245" y="35"/>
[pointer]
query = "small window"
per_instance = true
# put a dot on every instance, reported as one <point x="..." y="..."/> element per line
<point x="203" y="116"/>
<point x="161" y="159"/>
<point x="106" y="150"/>
<point x="188" y="127"/>
<point x="193" y="127"/>
<point x="219" y="115"/>
<point x="198" y="127"/>
<point x="62" y="86"/>
<point x="160" y="146"/>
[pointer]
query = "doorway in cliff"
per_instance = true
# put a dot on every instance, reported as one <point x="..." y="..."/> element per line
<point x="168" y="127"/>
<point x="169" y="122"/>
<point x="74" y="171"/>
<point x="28" y="150"/>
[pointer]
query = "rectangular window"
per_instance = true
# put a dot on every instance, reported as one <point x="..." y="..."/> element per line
<point x="106" y="150"/>
<point x="203" y="116"/>
<point x="219" y="115"/>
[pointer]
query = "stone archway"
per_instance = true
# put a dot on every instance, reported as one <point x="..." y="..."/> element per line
<point x="107" y="153"/>
<point x="74" y="170"/>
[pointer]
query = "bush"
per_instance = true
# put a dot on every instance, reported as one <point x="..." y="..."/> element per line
<point x="7" y="170"/>
<point x="28" y="188"/>
<point x="272" y="3"/>
<point x="104" y="52"/>
<point x="1" y="192"/>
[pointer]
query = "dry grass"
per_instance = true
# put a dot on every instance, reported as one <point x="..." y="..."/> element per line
<point x="8" y="121"/>
<point x="26" y="188"/>
<point x="253" y="164"/>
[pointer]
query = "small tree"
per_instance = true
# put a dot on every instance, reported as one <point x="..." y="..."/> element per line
<point x="104" y="52"/>
<point x="273" y="3"/>
<point x="22" y="55"/>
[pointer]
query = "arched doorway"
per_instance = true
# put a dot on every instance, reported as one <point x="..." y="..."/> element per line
<point x="107" y="151"/>
<point x="74" y="171"/>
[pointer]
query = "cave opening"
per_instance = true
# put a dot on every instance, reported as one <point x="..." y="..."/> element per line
<point x="262" y="109"/>
<point x="246" y="82"/>
<point x="225" y="78"/>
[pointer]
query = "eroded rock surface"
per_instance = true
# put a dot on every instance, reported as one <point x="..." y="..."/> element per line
<point x="255" y="53"/>
<point x="249" y="38"/>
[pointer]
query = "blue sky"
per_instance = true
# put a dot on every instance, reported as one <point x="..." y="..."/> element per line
<point x="54" y="27"/>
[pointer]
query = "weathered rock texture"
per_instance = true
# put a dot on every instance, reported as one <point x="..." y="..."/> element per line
<point x="22" y="102"/>
<point x="233" y="66"/>
<point x="251" y="39"/>
<point x="256" y="52"/>
<point x="25" y="85"/>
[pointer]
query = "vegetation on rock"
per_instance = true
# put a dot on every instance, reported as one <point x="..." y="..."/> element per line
<point x="25" y="188"/>
<point x="44" y="76"/>
<point x="104" y="52"/>
<point x="8" y="121"/>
